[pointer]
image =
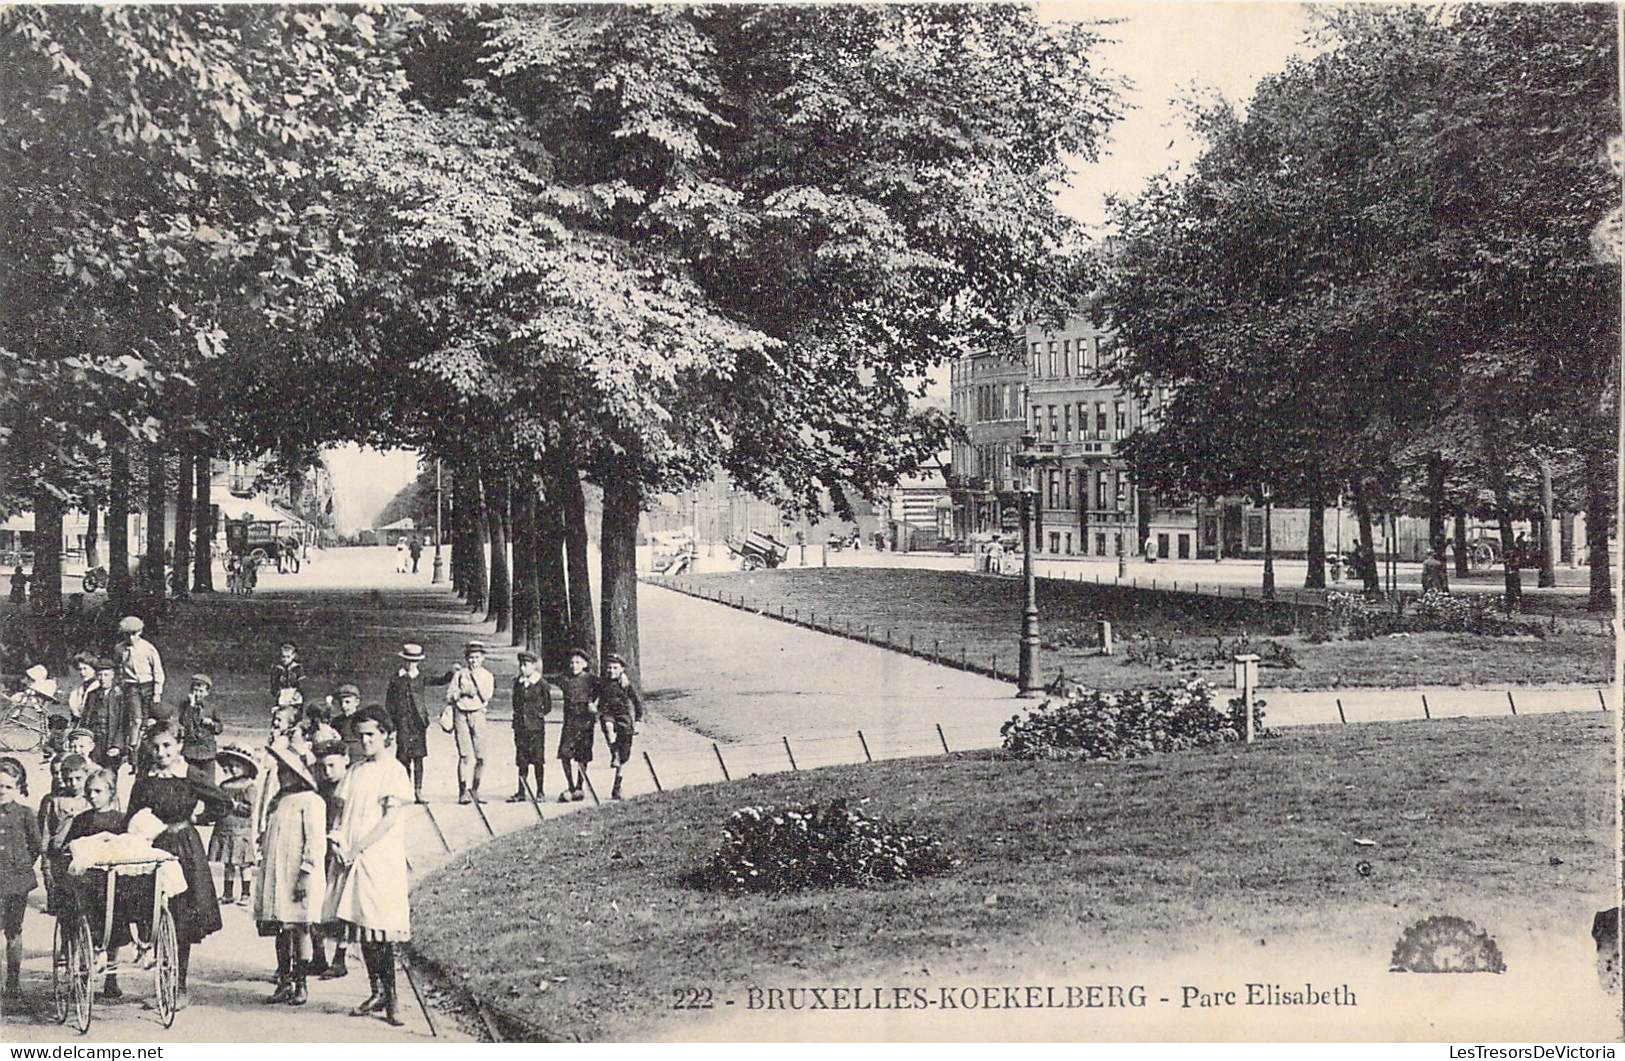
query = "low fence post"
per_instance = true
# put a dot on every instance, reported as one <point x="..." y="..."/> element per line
<point x="866" y="756"/>
<point x="1512" y="702"/>
<point x="720" y="763"/>
<point x="936" y="650"/>
<point x="790" y="753"/>
<point x="1425" y="712"/>
<point x="1340" y="716"/>
<point x="531" y="795"/>
<point x="479" y="808"/>
<point x="911" y="644"/>
<point x="650" y="763"/>
<point x="593" y="792"/>
<point x="437" y="830"/>
<point x="1603" y="700"/>
<point x="943" y="739"/>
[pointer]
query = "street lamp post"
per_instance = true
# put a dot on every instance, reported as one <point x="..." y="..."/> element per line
<point x="1027" y="671"/>
<point x="439" y="573"/>
<point x="1269" y="544"/>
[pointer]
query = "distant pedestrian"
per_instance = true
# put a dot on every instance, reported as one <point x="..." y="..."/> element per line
<point x="532" y="703"/>
<point x="19" y="585"/>
<point x="581" y="695"/>
<point x="400" y="555"/>
<point x="288" y="673"/>
<point x="620" y="710"/>
<point x="415" y="547"/>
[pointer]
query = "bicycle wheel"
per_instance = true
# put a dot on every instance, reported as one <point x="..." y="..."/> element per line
<point x="166" y="972"/>
<point x="61" y="994"/>
<point x="81" y="970"/>
<point x="18" y="732"/>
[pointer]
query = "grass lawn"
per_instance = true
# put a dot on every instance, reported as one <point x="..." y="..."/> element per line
<point x="582" y="927"/>
<point x="979" y="616"/>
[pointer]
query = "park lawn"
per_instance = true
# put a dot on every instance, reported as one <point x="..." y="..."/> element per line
<point x="582" y="927"/>
<point x="977" y="618"/>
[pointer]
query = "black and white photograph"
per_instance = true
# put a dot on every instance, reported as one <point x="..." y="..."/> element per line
<point x="774" y="522"/>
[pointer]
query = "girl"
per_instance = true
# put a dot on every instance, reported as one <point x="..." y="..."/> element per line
<point x="20" y="848"/>
<point x="171" y="790"/>
<point x="368" y="891"/>
<point x="581" y="694"/>
<point x="292" y="879"/>
<point x="232" y="842"/>
<point x="89" y="893"/>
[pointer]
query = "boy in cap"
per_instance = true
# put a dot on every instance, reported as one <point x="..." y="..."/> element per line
<point x="289" y="672"/>
<point x="141" y="675"/>
<point x="200" y="725"/>
<point x="468" y="693"/>
<point x="104" y="717"/>
<point x="620" y="710"/>
<point x="581" y="693"/>
<point x="346" y="702"/>
<point x="532" y="702"/>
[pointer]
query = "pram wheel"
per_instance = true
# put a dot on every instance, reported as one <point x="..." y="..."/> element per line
<point x="61" y="997"/>
<point x="81" y="970"/>
<point x="166" y="971"/>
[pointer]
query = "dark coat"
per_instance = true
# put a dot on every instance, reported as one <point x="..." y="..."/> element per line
<point x="531" y="703"/>
<point x="287" y="676"/>
<point x="407" y="701"/>
<point x="105" y="718"/>
<point x="199" y="728"/>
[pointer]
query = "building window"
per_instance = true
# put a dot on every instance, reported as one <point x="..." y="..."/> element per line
<point x="1066" y="487"/>
<point x="1122" y="492"/>
<point x="1052" y="371"/>
<point x="1184" y="546"/>
<point x="1036" y="364"/>
<point x="1122" y="419"/>
<point x="1066" y="420"/>
<point x="1066" y="357"/>
<point x="1052" y="423"/>
<point x="1054" y="488"/>
<point x="1038" y="419"/>
<point x="1100" y="491"/>
<point x="1100" y="544"/>
<point x="1100" y="420"/>
<point x="1255" y="532"/>
<point x="1069" y="545"/>
<point x="1083" y="421"/>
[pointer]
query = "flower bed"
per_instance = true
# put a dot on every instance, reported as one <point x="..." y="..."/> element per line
<point x="801" y="846"/>
<point x="1089" y="724"/>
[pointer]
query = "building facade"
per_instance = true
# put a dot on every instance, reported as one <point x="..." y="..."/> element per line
<point x="988" y="397"/>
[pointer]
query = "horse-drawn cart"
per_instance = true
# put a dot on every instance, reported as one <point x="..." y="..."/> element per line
<point x="757" y="550"/>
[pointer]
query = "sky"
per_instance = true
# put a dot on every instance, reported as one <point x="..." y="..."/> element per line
<point x="1165" y="49"/>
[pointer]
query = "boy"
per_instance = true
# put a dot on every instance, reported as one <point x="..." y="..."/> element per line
<point x="82" y="742"/>
<point x="106" y="719"/>
<point x="200" y="725"/>
<point x="532" y="702"/>
<point x="469" y="693"/>
<point x="346" y="702"/>
<point x="56" y="812"/>
<point x="141" y="677"/>
<point x="288" y="674"/>
<point x="581" y="694"/>
<point x="621" y="709"/>
<point x="407" y="704"/>
<point x="332" y="763"/>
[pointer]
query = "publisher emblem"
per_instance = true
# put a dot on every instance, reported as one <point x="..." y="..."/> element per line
<point x="1446" y="944"/>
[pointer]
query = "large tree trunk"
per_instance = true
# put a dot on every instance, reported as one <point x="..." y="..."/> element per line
<point x="203" y="532"/>
<point x="618" y="551"/>
<point x="1461" y="542"/>
<point x="184" y="486"/>
<point x="1315" y="576"/>
<point x="500" y="607"/>
<point x="1368" y="551"/>
<point x="157" y="491"/>
<point x="93" y="545"/>
<point x="1565" y="538"/>
<point x="460" y="567"/>
<point x="583" y="628"/>
<point x="1503" y="520"/>
<point x="552" y="588"/>
<point x="1548" y="557"/>
<point x="527" y="616"/>
<point x="478" y="573"/>
<point x="1599" y="481"/>
<point x="45" y="590"/>
<point x="118" y="527"/>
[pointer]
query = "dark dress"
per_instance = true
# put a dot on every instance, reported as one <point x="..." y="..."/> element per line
<point x="531" y="705"/>
<point x="575" y="739"/>
<point x="197" y="910"/>
<point x="88" y="893"/>
<point x="407" y="701"/>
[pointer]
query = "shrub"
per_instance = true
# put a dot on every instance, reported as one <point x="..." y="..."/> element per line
<point x="1094" y="725"/>
<point x="792" y="848"/>
<point x="1437" y="610"/>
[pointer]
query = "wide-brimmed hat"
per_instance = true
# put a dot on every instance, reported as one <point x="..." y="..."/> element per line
<point x="131" y="624"/>
<point x="284" y="754"/>
<point x="241" y="755"/>
<point x="40" y="681"/>
<point x="346" y="690"/>
<point x="412" y="652"/>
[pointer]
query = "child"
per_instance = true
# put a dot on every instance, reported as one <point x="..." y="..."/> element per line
<point x="200" y="725"/>
<point x="105" y="718"/>
<point x="19" y="585"/>
<point x="84" y="664"/>
<point x="346" y="702"/>
<point x="469" y="694"/>
<point x="332" y="763"/>
<point x="532" y="702"/>
<point x="89" y="893"/>
<point x="622" y="710"/>
<point x="232" y="842"/>
<point x="56" y="813"/>
<point x="56" y="737"/>
<point x="20" y="848"/>
<point x="82" y="742"/>
<point x="292" y="873"/>
<point x="289" y="673"/>
<point x="407" y="703"/>
<point x="368" y="891"/>
<point x="581" y="693"/>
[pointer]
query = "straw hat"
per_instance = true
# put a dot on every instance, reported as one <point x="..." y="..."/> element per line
<point x="412" y="652"/>
<point x="40" y="681"/>
<point x="241" y="755"/>
<point x="286" y="756"/>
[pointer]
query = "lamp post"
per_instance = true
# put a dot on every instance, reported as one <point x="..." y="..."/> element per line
<point x="1027" y="670"/>
<point x="1269" y="544"/>
<point x="439" y="573"/>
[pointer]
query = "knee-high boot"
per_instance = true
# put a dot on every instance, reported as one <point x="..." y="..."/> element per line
<point x="370" y="955"/>
<point x="284" y="970"/>
<point x="387" y="975"/>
